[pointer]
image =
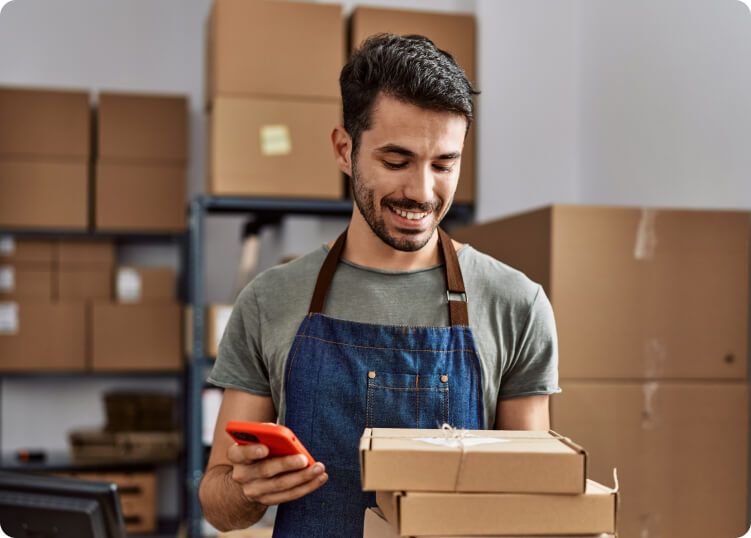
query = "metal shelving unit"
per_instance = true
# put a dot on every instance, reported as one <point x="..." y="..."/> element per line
<point x="197" y="365"/>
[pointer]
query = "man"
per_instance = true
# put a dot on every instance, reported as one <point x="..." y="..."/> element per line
<point x="390" y="338"/>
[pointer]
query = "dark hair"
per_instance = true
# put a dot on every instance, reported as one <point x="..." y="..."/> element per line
<point x="410" y="68"/>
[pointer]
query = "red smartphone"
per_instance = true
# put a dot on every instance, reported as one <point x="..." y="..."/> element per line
<point x="279" y="439"/>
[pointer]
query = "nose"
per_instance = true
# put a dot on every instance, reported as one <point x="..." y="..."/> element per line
<point x="421" y="185"/>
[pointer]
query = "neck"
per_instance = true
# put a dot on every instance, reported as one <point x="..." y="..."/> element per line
<point x="365" y="248"/>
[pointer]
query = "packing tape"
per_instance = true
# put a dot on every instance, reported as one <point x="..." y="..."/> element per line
<point x="649" y="416"/>
<point x="646" y="235"/>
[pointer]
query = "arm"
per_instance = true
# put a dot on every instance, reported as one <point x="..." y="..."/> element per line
<point x="239" y="484"/>
<point x="523" y="413"/>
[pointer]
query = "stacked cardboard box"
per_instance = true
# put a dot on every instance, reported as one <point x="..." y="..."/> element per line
<point x="273" y="98"/>
<point x="483" y="483"/>
<point x="146" y="305"/>
<point x="140" y="179"/>
<point x="44" y="158"/>
<point x="652" y="315"/>
<point x="454" y="33"/>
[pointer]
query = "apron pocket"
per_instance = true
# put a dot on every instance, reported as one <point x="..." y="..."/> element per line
<point x="406" y="400"/>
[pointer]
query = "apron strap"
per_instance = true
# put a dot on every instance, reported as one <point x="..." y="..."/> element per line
<point x="457" y="296"/>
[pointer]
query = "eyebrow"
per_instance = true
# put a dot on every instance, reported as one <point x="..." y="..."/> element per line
<point x="399" y="150"/>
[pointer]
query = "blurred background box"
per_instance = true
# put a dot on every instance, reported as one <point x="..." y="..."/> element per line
<point x="46" y="336"/>
<point x="25" y="282"/>
<point x="140" y="197"/>
<point x="271" y="147"/>
<point x="279" y="49"/>
<point x="84" y="269"/>
<point x="37" y="251"/>
<point x="452" y="32"/>
<point x="681" y="449"/>
<point x="44" y="194"/>
<point x="142" y="128"/>
<point x="139" y="411"/>
<point x="82" y="253"/>
<point x="145" y="284"/>
<point x="44" y="124"/>
<point x="652" y="294"/>
<point x="136" y="337"/>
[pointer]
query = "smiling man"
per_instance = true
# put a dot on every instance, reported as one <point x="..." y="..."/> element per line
<point x="392" y="325"/>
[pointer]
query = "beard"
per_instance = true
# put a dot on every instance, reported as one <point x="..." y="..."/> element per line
<point x="365" y="200"/>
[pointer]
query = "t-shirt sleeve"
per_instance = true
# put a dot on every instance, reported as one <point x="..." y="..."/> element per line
<point x="239" y="362"/>
<point x="534" y="366"/>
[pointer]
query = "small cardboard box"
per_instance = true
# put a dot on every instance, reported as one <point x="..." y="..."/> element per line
<point x="39" y="336"/>
<point x="146" y="198"/>
<point x="28" y="251"/>
<point x="284" y="49"/>
<point x="145" y="284"/>
<point x="84" y="254"/>
<point x="26" y="282"/>
<point x="271" y="147"/>
<point x="394" y="459"/>
<point x="44" y="194"/>
<point x="482" y="514"/>
<point x="84" y="284"/>
<point x="376" y="526"/>
<point x="143" y="128"/>
<point x="151" y="342"/>
<point x="46" y="124"/>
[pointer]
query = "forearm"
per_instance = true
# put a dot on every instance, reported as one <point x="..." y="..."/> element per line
<point x="224" y="504"/>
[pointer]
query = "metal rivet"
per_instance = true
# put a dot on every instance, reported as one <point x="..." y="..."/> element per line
<point x="444" y="378"/>
<point x="371" y="375"/>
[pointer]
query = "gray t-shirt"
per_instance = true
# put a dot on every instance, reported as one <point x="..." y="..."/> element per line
<point x="510" y="317"/>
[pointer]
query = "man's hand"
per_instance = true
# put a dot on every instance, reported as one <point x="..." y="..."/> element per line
<point x="273" y="480"/>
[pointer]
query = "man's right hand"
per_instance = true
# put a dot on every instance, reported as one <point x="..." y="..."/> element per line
<point x="273" y="480"/>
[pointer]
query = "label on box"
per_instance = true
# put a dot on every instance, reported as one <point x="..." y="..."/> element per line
<point x="7" y="279"/>
<point x="9" y="318"/>
<point x="7" y="245"/>
<point x="128" y="285"/>
<point x="465" y="441"/>
<point x="220" y="321"/>
<point x="275" y="140"/>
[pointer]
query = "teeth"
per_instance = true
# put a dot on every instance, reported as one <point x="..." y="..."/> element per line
<point x="410" y="215"/>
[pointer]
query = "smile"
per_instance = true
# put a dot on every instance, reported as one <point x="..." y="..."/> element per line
<point x="410" y="215"/>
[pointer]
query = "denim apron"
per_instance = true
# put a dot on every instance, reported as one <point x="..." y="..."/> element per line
<point x="342" y="377"/>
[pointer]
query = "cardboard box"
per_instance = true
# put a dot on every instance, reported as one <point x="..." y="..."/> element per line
<point x="84" y="284"/>
<point x="137" y="493"/>
<point x="268" y="147"/>
<point x="142" y="128"/>
<point x="280" y="49"/>
<point x="479" y="514"/>
<point x="83" y="253"/>
<point x="623" y="284"/>
<point x="145" y="285"/>
<point x="44" y="194"/>
<point x="140" y="198"/>
<point x="38" y="336"/>
<point x="681" y="450"/>
<point x="216" y="318"/>
<point x="484" y="461"/>
<point x="376" y="526"/>
<point x="452" y="32"/>
<point x="28" y="251"/>
<point x="151" y="341"/>
<point x="26" y="282"/>
<point x="48" y="124"/>
<point x="97" y="446"/>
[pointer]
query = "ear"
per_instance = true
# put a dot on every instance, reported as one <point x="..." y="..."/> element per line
<point x="342" y="144"/>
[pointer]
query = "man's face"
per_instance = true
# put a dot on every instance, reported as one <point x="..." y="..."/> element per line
<point x="406" y="169"/>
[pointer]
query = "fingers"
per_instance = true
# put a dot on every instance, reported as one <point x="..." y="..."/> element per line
<point x="239" y="454"/>
<point x="295" y="492"/>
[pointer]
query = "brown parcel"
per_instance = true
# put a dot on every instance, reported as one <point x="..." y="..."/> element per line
<point x="522" y="461"/>
<point x="266" y="147"/>
<point x="376" y="526"/>
<point x="36" y="251"/>
<point x="86" y="284"/>
<point x="681" y="450"/>
<point x="623" y="284"/>
<point x="44" y="124"/>
<point x="48" y="336"/>
<point x="477" y="514"/>
<point x="84" y="254"/>
<point x="26" y="282"/>
<point x="282" y="49"/>
<point x="452" y="32"/>
<point x="145" y="284"/>
<point x="146" y="198"/>
<point x="143" y="128"/>
<point x="44" y="194"/>
<point x="150" y="342"/>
